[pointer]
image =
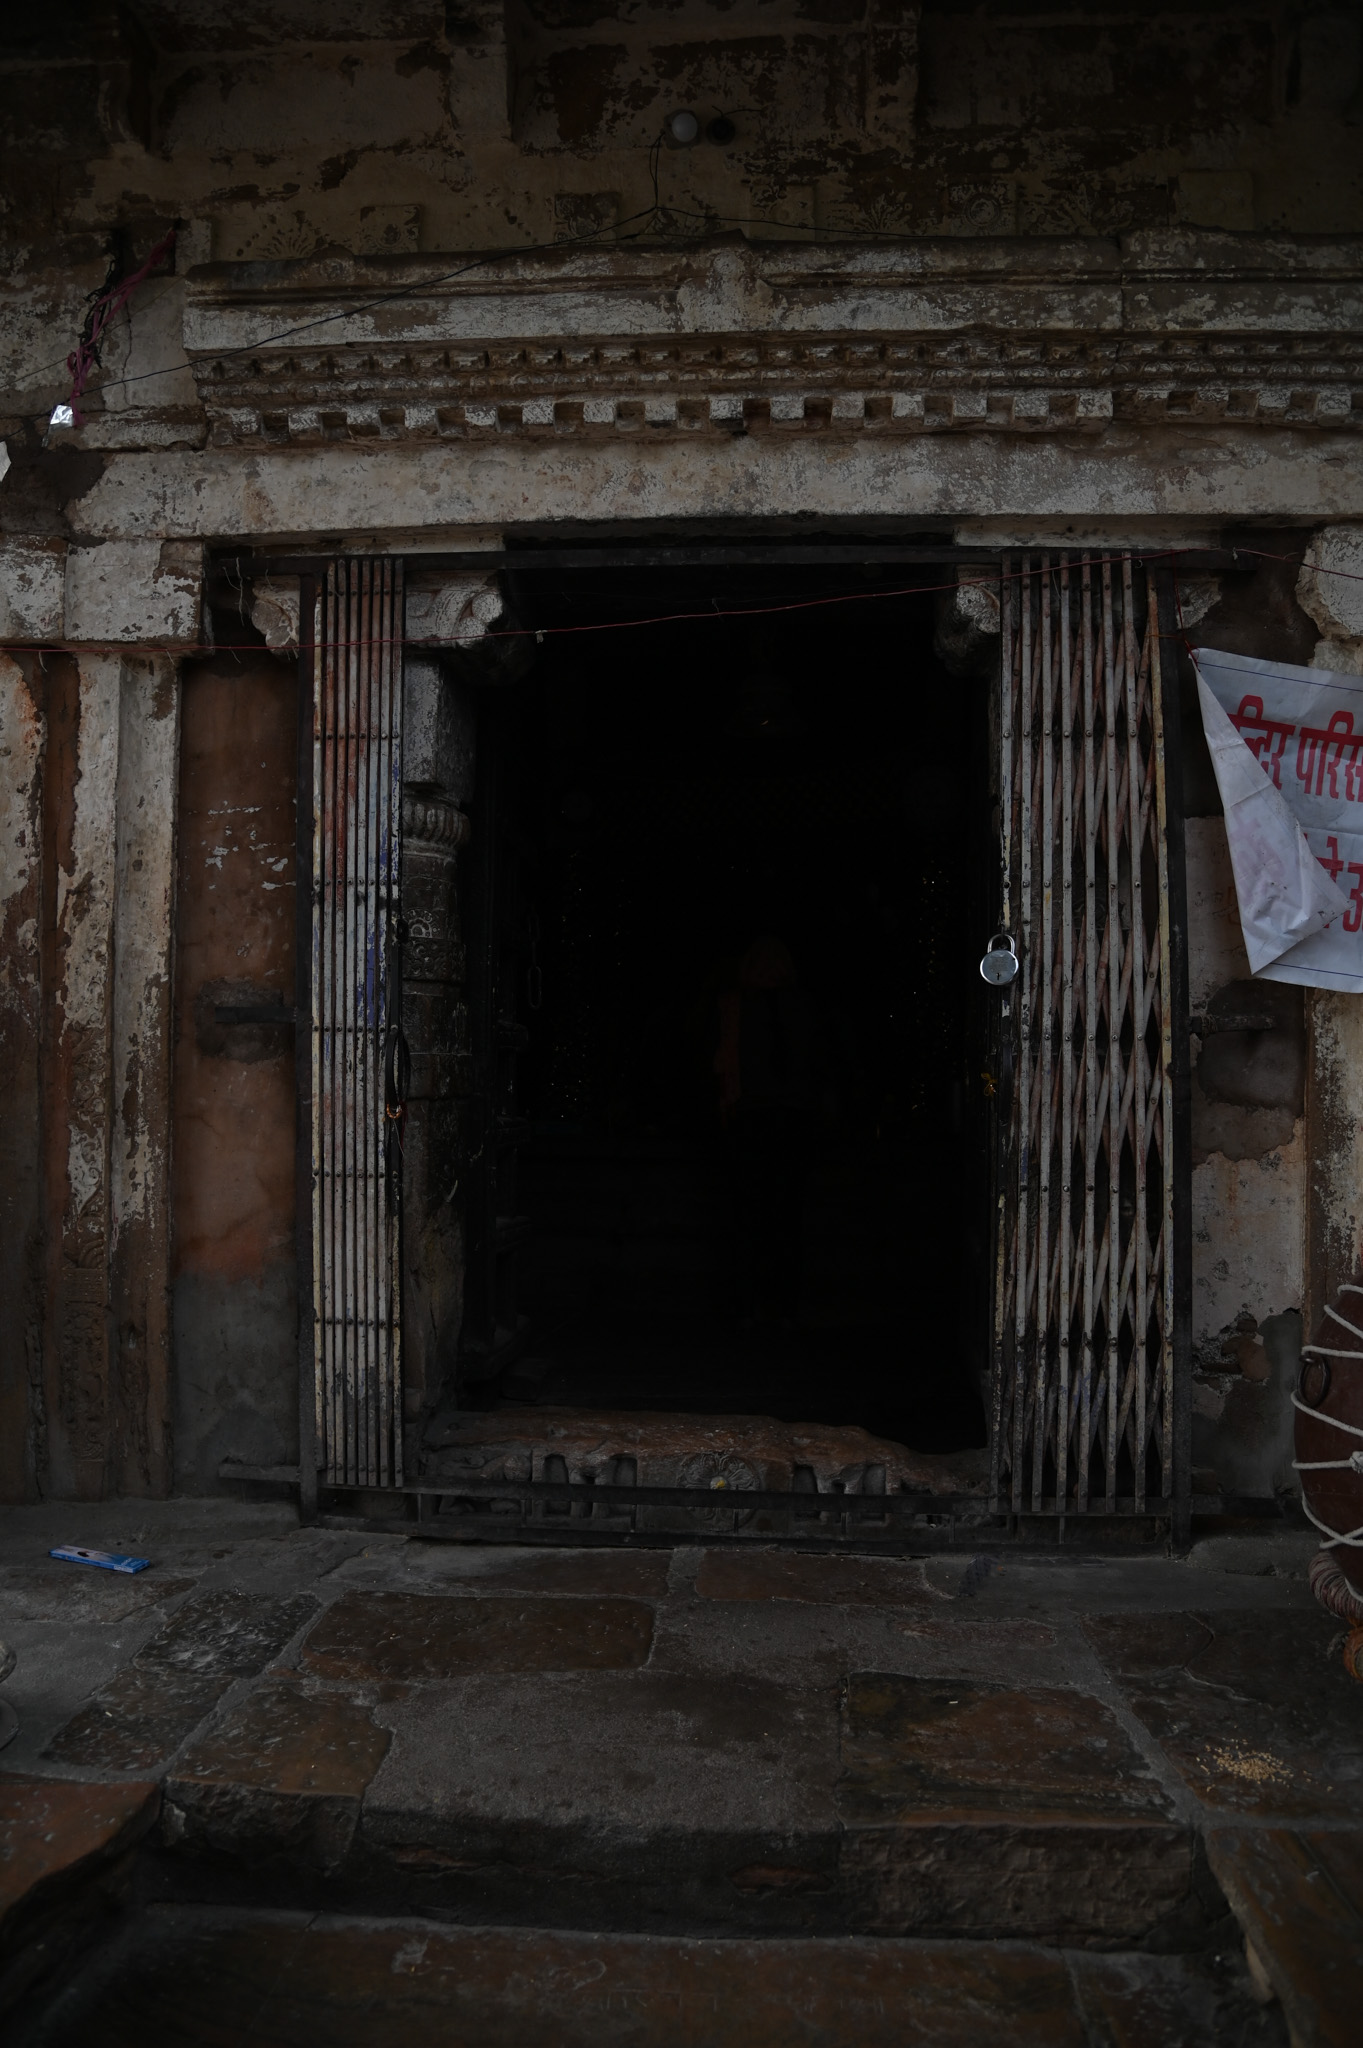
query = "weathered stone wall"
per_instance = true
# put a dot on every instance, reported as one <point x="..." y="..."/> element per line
<point x="407" y="125"/>
<point x="91" y="745"/>
<point x="1068" y="277"/>
<point x="233" y="1273"/>
<point x="1250" y="1135"/>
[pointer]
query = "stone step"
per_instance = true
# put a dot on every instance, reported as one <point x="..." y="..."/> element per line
<point x="711" y="1747"/>
<point x="66" y="1853"/>
<point x="1298" y="1894"/>
<point x="205" y="1977"/>
<point x="528" y="1759"/>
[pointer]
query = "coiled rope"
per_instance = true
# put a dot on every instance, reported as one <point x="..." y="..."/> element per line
<point x="1352" y="1539"/>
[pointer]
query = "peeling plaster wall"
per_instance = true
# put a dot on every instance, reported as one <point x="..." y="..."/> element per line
<point x="284" y="129"/>
<point x="397" y="492"/>
<point x="83" y="749"/>
<point x="22" y="737"/>
<point x="148" y="770"/>
<point x="1254" y="1140"/>
<point x="236" y="1379"/>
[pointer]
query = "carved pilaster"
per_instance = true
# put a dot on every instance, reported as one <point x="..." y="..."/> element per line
<point x="438" y="739"/>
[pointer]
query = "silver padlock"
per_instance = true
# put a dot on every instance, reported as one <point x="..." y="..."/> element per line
<point x="1000" y="963"/>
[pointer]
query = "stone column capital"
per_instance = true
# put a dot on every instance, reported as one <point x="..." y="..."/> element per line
<point x="426" y="821"/>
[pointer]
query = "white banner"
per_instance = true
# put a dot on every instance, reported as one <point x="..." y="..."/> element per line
<point x="1288" y="757"/>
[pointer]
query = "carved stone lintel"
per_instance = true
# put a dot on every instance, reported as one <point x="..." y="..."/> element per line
<point x="274" y="612"/>
<point x="459" y="613"/>
<point x="428" y="822"/>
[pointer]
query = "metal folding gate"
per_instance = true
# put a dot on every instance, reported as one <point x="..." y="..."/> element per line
<point x="355" y="1017"/>
<point x="1084" y="1397"/>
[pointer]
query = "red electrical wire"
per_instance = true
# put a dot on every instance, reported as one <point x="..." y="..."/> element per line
<point x="803" y="604"/>
<point x="84" y="357"/>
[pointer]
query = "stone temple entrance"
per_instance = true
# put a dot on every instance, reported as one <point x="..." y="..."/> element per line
<point x="687" y="1095"/>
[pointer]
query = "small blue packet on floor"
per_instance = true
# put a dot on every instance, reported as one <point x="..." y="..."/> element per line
<point x="107" y="1560"/>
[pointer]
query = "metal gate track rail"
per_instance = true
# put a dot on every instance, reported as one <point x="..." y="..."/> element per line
<point x="866" y="1506"/>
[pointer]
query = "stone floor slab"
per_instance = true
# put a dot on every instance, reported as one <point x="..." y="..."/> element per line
<point x="1105" y="1883"/>
<point x="956" y="1748"/>
<point x="137" y="1720"/>
<point x="143" y="1714"/>
<point x="839" y="1581"/>
<point x="64" y="1856"/>
<point x="818" y="1642"/>
<point x="288" y="1737"/>
<point x="633" y="1800"/>
<point x="451" y="1567"/>
<point x="280" y="1773"/>
<point x="80" y="1593"/>
<point x="1144" y="2001"/>
<point x="417" y="1638"/>
<point x="51" y="1828"/>
<point x="644" y="1751"/>
<point x="976" y="1808"/>
<point x="1049" y="1587"/>
<point x="1299" y="1896"/>
<point x="228" y="1633"/>
<point x="1260" y="1718"/>
<point x="216" y="1979"/>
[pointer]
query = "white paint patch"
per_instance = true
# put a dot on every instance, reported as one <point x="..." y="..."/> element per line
<point x="32" y="589"/>
<point x="134" y="591"/>
<point x="1249" y="1236"/>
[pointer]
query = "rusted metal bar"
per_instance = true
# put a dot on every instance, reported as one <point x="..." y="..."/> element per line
<point x="1043" y="985"/>
<point x="356" y="856"/>
<point x="324" y="1039"/>
<point x="310" y="1431"/>
<point x="390" y="1024"/>
<point x="1026" y="985"/>
<point x="369" y="998"/>
<point x="1133" y="668"/>
<point x="352" y="1024"/>
<point x="1068" y="720"/>
<point x="1004" y="1207"/>
<point x="1115" y="967"/>
<point x="1089" y="1300"/>
<point x="1177" y="1475"/>
<point x="343" y="1001"/>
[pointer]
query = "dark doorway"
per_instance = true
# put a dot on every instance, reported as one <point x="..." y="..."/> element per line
<point x="751" y="888"/>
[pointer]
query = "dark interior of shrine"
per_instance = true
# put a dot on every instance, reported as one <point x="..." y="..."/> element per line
<point x="737" y="899"/>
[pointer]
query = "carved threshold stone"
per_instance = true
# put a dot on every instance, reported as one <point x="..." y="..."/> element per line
<point x="730" y="1454"/>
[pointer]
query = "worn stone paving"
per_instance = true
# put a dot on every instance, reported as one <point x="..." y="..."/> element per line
<point x="697" y="1743"/>
<point x="199" y="1978"/>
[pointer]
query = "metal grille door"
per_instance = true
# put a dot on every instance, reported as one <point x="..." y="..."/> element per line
<point x="356" y="1040"/>
<point x="1083" y="1394"/>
